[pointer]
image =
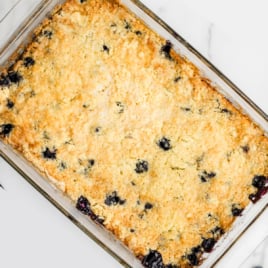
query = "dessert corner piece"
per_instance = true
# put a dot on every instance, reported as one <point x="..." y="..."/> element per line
<point x="132" y="133"/>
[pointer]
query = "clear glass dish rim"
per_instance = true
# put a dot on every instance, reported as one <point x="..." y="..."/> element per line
<point x="30" y="23"/>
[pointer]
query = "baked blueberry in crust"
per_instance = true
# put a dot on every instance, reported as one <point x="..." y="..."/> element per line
<point x="208" y="244"/>
<point x="113" y="199"/>
<point x="236" y="210"/>
<point x="28" y="61"/>
<point x="84" y="206"/>
<point x="164" y="144"/>
<point x="259" y="181"/>
<point x="5" y="129"/>
<point x="166" y="49"/>
<point x="192" y="258"/>
<point x="153" y="260"/>
<point x="205" y="176"/>
<point x="10" y="104"/>
<point x="142" y="166"/>
<point x="14" y="77"/>
<point x="49" y="153"/>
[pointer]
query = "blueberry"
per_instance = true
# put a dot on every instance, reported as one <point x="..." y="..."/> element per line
<point x="113" y="199"/>
<point x="259" y="181"/>
<point x="49" y="154"/>
<point x="236" y="211"/>
<point x="14" y="77"/>
<point x="192" y="258"/>
<point x="98" y="129"/>
<point x="153" y="260"/>
<point x="186" y="109"/>
<point x="226" y="111"/>
<point x="4" y="80"/>
<point x="47" y="34"/>
<point x="208" y="244"/>
<point x="132" y="230"/>
<point x="205" y="176"/>
<point x="141" y="166"/>
<point x="257" y="196"/>
<point x="164" y="144"/>
<point x="171" y="266"/>
<point x="83" y="205"/>
<point x="253" y="197"/>
<point x="10" y="104"/>
<point x="5" y="129"/>
<point x="91" y="163"/>
<point x="245" y="148"/>
<point x="138" y="32"/>
<point x="128" y="26"/>
<point x="217" y="231"/>
<point x="82" y="1"/>
<point x="196" y="249"/>
<point x="166" y="49"/>
<point x="177" y="79"/>
<point x="105" y="48"/>
<point x="28" y="61"/>
<point x="148" y="205"/>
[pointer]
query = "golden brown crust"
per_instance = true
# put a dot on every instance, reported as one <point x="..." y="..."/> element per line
<point x="104" y="87"/>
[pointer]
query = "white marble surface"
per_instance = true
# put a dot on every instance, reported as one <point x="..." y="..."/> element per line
<point x="233" y="35"/>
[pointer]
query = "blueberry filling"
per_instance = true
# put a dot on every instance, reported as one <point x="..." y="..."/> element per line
<point x="127" y="25"/>
<point x="196" y="249"/>
<point x="14" y="77"/>
<point x="226" y="111"/>
<point x="10" y="104"/>
<point x="153" y="260"/>
<point x="192" y="258"/>
<point x="138" y="32"/>
<point x="132" y="230"/>
<point x="5" y="129"/>
<point x="148" y="206"/>
<point x="177" y="79"/>
<point x="83" y="205"/>
<point x="82" y="1"/>
<point x="4" y="81"/>
<point x="236" y="210"/>
<point x="49" y="154"/>
<point x="259" y="181"/>
<point x="141" y="166"/>
<point x="113" y="199"/>
<point x="208" y="244"/>
<point x="105" y="48"/>
<point x="206" y="176"/>
<point x="91" y="163"/>
<point x="217" y="231"/>
<point x="28" y="61"/>
<point x="47" y="34"/>
<point x="245" y="148"/>
<point x="164" y="144"/>
<point x="166" y="49"/>
<point x="98" y="129"/>
<point x="171" y="266"/>
<point x="186" y="109"/>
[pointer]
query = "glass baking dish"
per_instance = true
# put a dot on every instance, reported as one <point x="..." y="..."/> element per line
<point x="14" y="44"/>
